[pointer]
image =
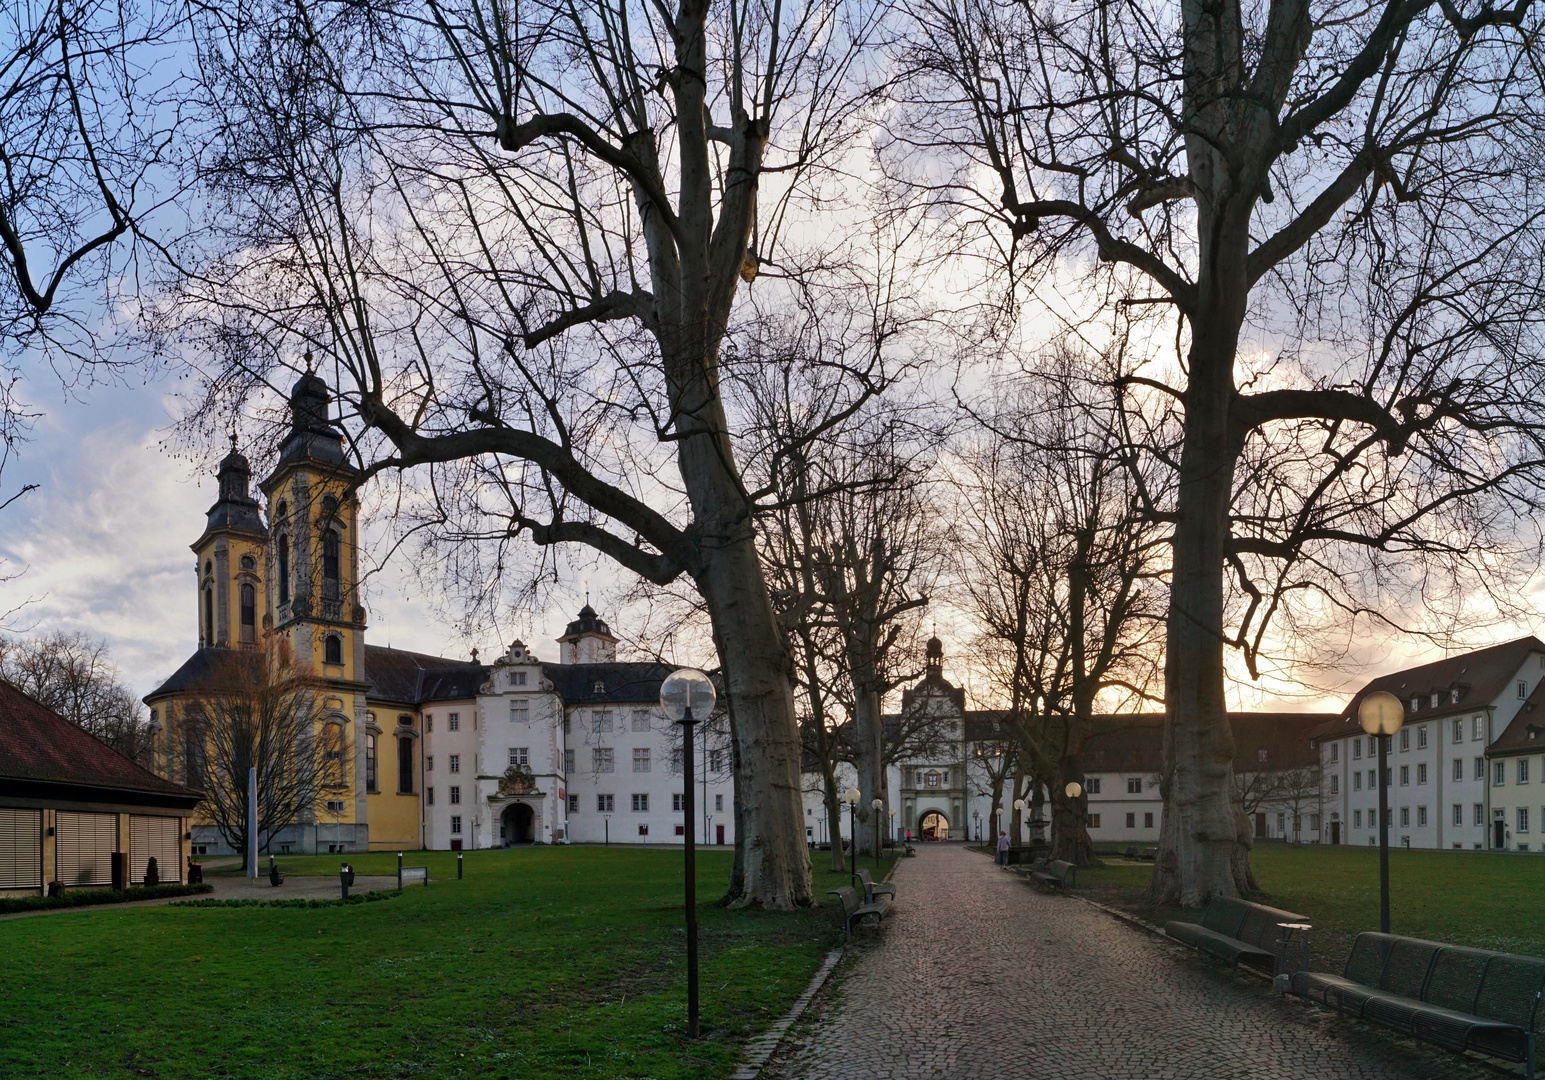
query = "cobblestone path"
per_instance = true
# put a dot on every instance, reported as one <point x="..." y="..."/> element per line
<point x="978" y="976"/>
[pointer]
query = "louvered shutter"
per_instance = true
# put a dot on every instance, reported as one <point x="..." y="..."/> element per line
<point x="156" y="836"/>
<point x="84" y="846"/>
<point x="21" y="849"/>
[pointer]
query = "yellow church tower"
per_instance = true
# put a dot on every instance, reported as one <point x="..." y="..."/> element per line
<point x="313" y="596"/>
<point x="229" y="560"/>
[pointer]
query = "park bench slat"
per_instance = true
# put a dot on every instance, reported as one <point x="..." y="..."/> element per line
<point x="1235" y="931"/>
<point x="1056" y="873"/>
<point x="854" y="910"/>
<point x="874" y="889"/>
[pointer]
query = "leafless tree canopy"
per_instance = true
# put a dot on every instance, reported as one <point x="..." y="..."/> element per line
<point x="1332" y="212"/>
<point x="73" y="675"/>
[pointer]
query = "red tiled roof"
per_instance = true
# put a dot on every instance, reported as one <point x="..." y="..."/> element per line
<point x="37" y="744"/>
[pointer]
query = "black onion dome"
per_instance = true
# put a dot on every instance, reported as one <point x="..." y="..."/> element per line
<point x="587" y="623"/>
<point x="235" y="508"/>
<point x="312" y="437"/>
<point x="935" y="649"/>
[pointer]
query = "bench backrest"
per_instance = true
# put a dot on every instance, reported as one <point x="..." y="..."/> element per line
<point x="863" y="875"/>
<point x="1059" y="869"/>
<point x="1369" y="953"/>
<point x="1455" y="979"/>
<point x="1260" y="925"/>
<point x="848" y="897"/>
<point x="1410" y="960"/>
<point x="1510" y="989"/>
<point x="1225" y="915"/>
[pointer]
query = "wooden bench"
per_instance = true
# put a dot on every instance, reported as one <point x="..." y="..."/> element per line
<point x="855" y="911"/>
<point x="1054" y="873"/>
<point x="874" y="889"/>
<point x="1454" y="997"/>
<point x="1236" y="931"/>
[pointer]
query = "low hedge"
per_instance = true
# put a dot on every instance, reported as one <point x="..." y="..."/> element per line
<point x="297" y="902"/>
<point x="94" y="897"/>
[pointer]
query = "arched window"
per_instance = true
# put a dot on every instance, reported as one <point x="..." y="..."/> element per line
<point x="404" y="766"/>
<point x="248" y="614"/>
<point x="209" y="617"/>
<point x="370" y="762"/>
<point x="330" y="564"/>
<point x="283" y="511"/>
<point x="284" y="567"/>
<point x="332" y="649"/>
<point x="332" y="755"/>
<point x="329" y="508"/>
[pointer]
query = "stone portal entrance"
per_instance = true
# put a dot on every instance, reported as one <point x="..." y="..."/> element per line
<point x="934" y="826"/>
<point x="517" y="825"/>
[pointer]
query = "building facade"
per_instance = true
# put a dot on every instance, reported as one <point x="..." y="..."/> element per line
<point x="439" y="752"/>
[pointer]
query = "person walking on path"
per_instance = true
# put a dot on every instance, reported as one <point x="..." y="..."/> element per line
<point x="1003" y="848"/>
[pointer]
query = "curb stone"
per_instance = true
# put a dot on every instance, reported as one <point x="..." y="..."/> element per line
<point x="759" y="1049"/>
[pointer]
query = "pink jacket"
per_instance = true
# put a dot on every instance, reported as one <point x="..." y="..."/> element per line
<point x="1003" y="842"/>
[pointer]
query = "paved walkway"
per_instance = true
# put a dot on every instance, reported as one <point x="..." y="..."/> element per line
<point x="979" y="976"/>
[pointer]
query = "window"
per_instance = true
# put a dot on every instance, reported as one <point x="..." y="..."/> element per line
<point x="1405" y="738"/>
<point x="1357" y="781"/>
<point x="1148" y="821"/>
<point x="1480" y="768"/>
<point x="1459" y="814"/>
<point x="1260" y="755"/>
<point x="332" y="650"/>
<point x="330" y="563"/>
<point x="455" y="795"/>
<point x="520" y="710"/>
<point x="453" y="722"/>
<point x="1357" y="749"/>
<point x="568" y="723"/>
<point x="1459" y="769"/>
<point x="1499" y="773"/>
<point x="1134" y="785"/>
<point x="1373" y="780"/>
<point x="681" y="830"/>
<point x="1094" y="821"/>
<point x="429" y="763"/>
<point x="209" y="616"/>
<point x="1475" y="728"/>
<point x="1335" y="785"/>
<point x="1357" y="819"/>
<point x="1421" y="817"/>
<point x="284" y="566"/>
<point x="1480" y="815"/>
<point x="643" y="830"/>
<point x="1335" y="751"/>
<point x="1405" y="775"/>
<point x="455" y="824"/>
<point x="1281" y="824"/>
<point x="599" y="687"/>
<point x="1453" y="696"/>
<point x="573" y="804"/>
<point x="1523" y="689"/>
<point x="517" y="678"/>
<point x="1314" y="822"/>
<point x="455" y="763"/>
<point x="370" y="761"/>
<point x="1421" y="736"/>
<point x="429" y="796"/>
<point x="601" y="721"/>
<point x="1434" y="699"/>
<point x="641" y="804"/>
<point x="716" y="763"/>
<point x="335" y="806"/>
<point x="520" y="756"/>
<point x="931" y="779"/>
<point x="604" y="804"/>
<point x="718" y="804"/>
<point x="640" y="719"/>
<point x="1523" y="770"/>
<point x="1523" y="819"/>
<point x="429" y="722"/>
<point x="1421" y="773"/>
<point x="568" y="761"/>
<point x="1416" y="703"/>
<point x="676" y="804"/>
<point x="332" y="755"/>
<point x="248" y="562"/>
<point x="641" y="759"/>
<point x="1459" y="731"/>
<point x="1131" y="821"/>
<point x="601" y="760"/>
<point x="248" y="613"/>
<point x="1405" y="817"/>
<point x="1092" y="786"/>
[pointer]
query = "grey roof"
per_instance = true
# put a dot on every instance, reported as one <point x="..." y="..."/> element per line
<point x="212" y="669"/>
<point x="591" y="684"/>
<point x="587" y="623"/>
<point x="1479" y="676"/>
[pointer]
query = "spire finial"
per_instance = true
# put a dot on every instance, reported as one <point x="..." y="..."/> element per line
<point x="233" y="440"/>
<point x="308" y="362"/>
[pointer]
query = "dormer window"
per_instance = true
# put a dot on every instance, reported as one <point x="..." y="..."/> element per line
<point x="1416" y="703"/>
<point x="1453" y="696"/>
<point x="1434" y="700"/>
<point x="600" y="688"/>
<point x="1523" y="690"/>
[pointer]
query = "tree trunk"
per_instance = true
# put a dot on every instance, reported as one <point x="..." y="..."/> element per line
<point x="1016" y="826"/>
<point x="755" y="663"/>
<point x="869" y="760"/>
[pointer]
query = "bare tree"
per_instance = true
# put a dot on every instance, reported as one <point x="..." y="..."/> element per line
<point x="1332" y="212"/>
<point x="267" y="716"/>
<point x="73" y="676"/>
<point x="1064" y="575"/>
<point x="514" y="237"/>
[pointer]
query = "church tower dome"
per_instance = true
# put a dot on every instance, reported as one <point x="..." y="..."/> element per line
<point x="227" y="560"/>
<point x="587" y="640"/>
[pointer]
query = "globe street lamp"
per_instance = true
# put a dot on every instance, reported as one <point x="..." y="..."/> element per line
<point x="851" y="797"/>
<point x="1381" y="714"/>
<point x="1073" y="791"/>
<point x="684" y="693"/>
<point x="1019" y="810"/>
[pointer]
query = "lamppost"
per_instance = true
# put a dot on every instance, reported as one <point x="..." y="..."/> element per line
<point x="892" y="817"/>
<point x="976" y="822"/>
<point x="850" y="797"/>
<point x="1019" y="814"/>
<point x="1073" y="791"/>
<point x="1381" y="714"/>
<point x="877" y="805"/>
<point x="684" y="693"/>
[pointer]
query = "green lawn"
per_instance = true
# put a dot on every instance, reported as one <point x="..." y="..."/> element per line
<point x="1490" y="901"/>
<point x="543" y="962"/>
